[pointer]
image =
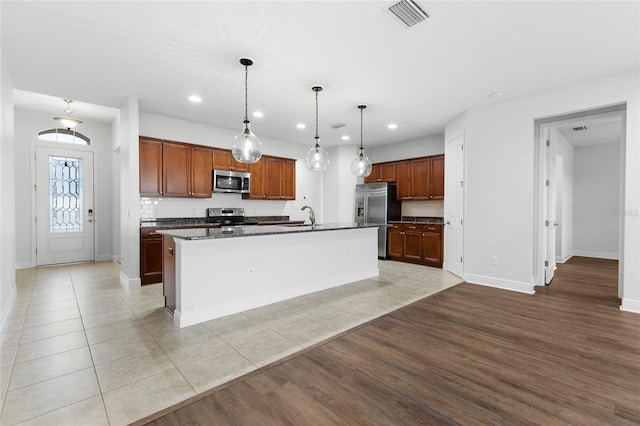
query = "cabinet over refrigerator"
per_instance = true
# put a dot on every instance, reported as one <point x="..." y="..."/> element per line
<point x="376" y="204"/>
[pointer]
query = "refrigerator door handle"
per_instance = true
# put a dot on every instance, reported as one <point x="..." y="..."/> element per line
<point x="366" y="208"/>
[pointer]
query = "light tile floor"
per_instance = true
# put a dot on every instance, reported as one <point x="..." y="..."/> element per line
<point x="78" y="349"/>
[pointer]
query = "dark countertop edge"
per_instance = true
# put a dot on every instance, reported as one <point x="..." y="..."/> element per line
<point x="178" y="225"/>
<point x="279" y="231"/>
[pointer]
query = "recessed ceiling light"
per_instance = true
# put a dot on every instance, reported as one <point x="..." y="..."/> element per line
<point x="301" y="125"/>
<point x="392" y="126"/>
<point x="195" y="99"/>
<point x="258" y="114"/>
<point x="345" y="138"/>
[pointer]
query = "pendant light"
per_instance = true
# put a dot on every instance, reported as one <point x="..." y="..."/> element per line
<point x="246" y="147"/>
<point x="317" y="158"/>
<point x="361" y="165"/>
<point x="67" y="121"/>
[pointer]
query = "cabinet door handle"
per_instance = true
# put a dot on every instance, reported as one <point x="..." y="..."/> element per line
<point x="431" y="229"/>
<point x="170" y="251"/>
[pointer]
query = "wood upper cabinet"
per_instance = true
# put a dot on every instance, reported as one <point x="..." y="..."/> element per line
<point x="223" y="160"/>
<point x="420" y="178"/>
<point x="176" y="170"/>
<point x="201" y="171"/>
<point x="273" y="178"/>
<point x="437" y="178"/>
<point x="382" y="172"/>
<point x="403" y="180"/>
<point x="150" y="151"/>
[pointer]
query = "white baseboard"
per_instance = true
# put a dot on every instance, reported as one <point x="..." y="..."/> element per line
<point x="630" y="306"/>
<point x="104" y="258"/>
<point x="500" y="283"/>
<point x="127" y="282"/>
<point x="560" y="259"/>
<point x="7" y="306"/>
<point x="597" y="254"/>
<point x="116" y="259"/>
<point x="25" y="265"/>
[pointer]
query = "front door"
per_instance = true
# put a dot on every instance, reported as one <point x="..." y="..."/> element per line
<point x="64" y="206"/>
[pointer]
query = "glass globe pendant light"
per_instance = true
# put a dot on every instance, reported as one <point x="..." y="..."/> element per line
<point x="317" y="158"/>
<point x="246" y="147"/>
<point x="361" y="165"/>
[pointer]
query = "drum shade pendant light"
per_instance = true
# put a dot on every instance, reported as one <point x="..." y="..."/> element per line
<point x="246" y="147"/>
<point x="361" y="165"/>
<point x="67" y="121"/>
<point x="317" y="158"/>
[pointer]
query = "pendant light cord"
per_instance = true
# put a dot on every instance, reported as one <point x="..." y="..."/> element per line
<point x="246" y="97"/>
<point x="361" y="148"/>
<point x="317" y="137"/>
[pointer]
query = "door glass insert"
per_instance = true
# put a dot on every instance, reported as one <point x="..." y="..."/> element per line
<point x="65" y="194"/>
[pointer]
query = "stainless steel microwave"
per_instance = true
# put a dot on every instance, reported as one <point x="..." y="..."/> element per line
<point x="227" y="181"/>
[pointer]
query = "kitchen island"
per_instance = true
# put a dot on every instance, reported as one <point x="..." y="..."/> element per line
<point x="210" y="273"/>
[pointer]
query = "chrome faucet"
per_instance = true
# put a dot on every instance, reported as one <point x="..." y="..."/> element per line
<point x="312" y="216"/>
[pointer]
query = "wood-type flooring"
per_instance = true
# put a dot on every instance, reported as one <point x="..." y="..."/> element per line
<point x="467" y="355"/>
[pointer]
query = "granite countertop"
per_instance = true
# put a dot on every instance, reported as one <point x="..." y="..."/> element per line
<point x="255" y="230"/>
<point x="190" y="222"/>
<point x="420" y="220"/>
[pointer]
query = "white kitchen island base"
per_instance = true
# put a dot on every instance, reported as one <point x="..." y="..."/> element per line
<point x="215" y="277"/>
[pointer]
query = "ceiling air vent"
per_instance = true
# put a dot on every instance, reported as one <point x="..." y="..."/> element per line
<point x="337" y="125"/>
<point x="579" y="128"/>
<point x="409" y="12"/>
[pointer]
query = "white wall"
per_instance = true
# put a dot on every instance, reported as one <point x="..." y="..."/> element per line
<point x="7" y="195"/>
<point x="564" y="196"/>
<point x="115" y="186"/>
<point x="27" y="125"/>
<point x="500" y="198"/>
<point x="308" y="184"/>
<point x="338" y="186"/>
<point x="596" y="201"/>
<point x="424" y="147"/>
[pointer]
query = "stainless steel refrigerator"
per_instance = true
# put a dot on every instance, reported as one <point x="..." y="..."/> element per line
<point x="376" y="204"/>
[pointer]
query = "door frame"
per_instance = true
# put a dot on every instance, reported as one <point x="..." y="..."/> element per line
<point x="34" y="199"/>
<point x="540" y="165"/>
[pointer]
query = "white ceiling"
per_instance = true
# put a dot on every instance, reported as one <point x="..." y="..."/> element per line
<point x="100" y="53"/>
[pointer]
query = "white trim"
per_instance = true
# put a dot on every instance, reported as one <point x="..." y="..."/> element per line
<point x="629" y="305"/>
<point x="25" y="265"/>
<point x="560" y="259"/>
<point x="518" y="286"/>
<point x="127" y="282"/>
<point x="597" y="254"/>
<point x="6" y="309"/>
<point x="104" y="258"/>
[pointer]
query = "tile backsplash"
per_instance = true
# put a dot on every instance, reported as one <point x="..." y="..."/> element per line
<point x="158" y="207"/>
<point x="434" y="208"/>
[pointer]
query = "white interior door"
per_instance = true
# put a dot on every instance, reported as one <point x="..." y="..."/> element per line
<point x="64" y="206"/>
<point x="550" y="222"/>
<point x="454" y="200"/>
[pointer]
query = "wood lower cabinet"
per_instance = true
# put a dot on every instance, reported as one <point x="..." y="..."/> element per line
<point x="150" y="256"/>
<point x="395" y="242"/>
<point x="415" y="243"/>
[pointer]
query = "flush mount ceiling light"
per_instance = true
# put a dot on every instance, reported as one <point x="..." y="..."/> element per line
<point x="246" y="147"/>
<point x="258" y="114"/>
<point x="345" y="138"/>
<point x="317" y="158"/>
<point x="67" y="121"/>
<point x="392" y="126"/>
<point x="361" y="165"/>
<point x="195" y="99"/>
<point x="301" y="125"/>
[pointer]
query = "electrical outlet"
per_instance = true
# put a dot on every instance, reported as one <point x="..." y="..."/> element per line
<point x="494" y="260"/>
